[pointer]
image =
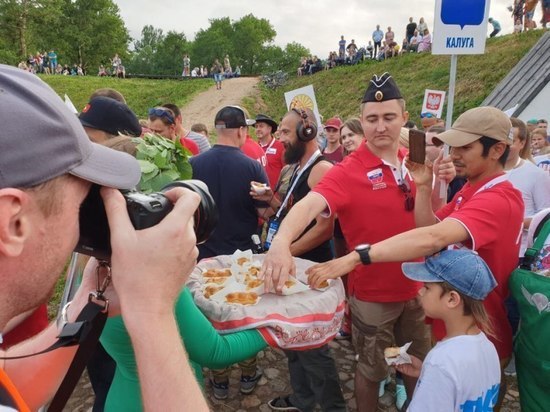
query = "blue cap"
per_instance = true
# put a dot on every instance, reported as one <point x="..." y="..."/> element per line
<point x="461" y="268"/>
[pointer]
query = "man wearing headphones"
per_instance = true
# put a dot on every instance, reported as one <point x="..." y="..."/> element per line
<point x="313" y="373"/>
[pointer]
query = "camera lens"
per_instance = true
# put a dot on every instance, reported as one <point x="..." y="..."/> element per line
<point x="206" y="215"/>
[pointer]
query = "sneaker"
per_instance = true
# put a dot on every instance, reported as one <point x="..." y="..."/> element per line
<point x="400" y="396"/>
<point x="342" y="335"/>
<point x="282" y="404"/>
<point x="248" y="383"/>
<point x="221" y="389"/>
<point x="510" y="369"/>
<point x="383" y="384"/>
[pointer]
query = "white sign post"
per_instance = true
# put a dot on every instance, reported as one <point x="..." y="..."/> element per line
<point x="460" y="27"/>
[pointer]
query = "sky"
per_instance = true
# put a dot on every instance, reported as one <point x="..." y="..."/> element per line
<point x="316" y="24"/>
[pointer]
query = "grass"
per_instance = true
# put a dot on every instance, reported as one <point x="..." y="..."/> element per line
<point x="339" y="91"/>
<point x="140" y="94"/>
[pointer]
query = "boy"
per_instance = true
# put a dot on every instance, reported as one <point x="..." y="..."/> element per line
<point x="462" y="372"/>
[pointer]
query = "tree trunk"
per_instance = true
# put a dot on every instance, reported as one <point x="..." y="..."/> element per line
<point x="23" y="28"/>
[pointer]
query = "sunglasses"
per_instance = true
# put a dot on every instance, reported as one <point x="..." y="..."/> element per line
<point x="409" y="199"/>
<point x="161" y="112"/>
<point x="426" y="115"/>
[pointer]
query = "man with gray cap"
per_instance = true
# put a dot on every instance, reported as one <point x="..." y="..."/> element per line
<point x="486" y="215"/>
<point x="47" y="166"/>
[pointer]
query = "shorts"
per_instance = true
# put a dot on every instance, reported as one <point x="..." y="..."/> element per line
<point x="378" y="325"/>
<point x="218" y="77"/>
<point x="529" y="15"/>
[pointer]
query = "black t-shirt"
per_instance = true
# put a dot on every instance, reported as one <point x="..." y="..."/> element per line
<point x="411" y="27"/>
<point x="323" y="252"/>
<point x="227" y="172"/>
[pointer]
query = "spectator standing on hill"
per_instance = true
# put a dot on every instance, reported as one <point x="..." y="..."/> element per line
<point x="370" y="49"/>
<point x="517" y="15"/>
<point x="496" y="27"/>
<point x="352" y="50"/>
<point x="377" y="37"/>
<point x="217" y="72"/>
<point x="227" y="66"/>
<point x="116" y="62"/>
<point x="342" y="48"/>
<point x="200" y="140"/>
<point x="389" y="36"/>
<point x="421" y="25"/>
<point x="530" y="6"/>
<point x="545" y="4"/>
<point x="52" y="56"/>
<point x="186" y="66"/>
<point x="410" y="29"/>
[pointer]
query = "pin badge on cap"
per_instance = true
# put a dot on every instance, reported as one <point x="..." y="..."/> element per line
<point x="379" y="96"/>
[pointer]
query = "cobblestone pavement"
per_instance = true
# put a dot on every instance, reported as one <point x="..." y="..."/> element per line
<point x="275" y="382"/>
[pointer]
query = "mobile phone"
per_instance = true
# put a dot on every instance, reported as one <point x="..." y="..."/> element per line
<point x="417" y="146"/>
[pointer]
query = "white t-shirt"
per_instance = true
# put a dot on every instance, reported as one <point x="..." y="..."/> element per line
<point x="534" y="185"/>
<point x="543" y="162"/>
<point x="459" y="374"/>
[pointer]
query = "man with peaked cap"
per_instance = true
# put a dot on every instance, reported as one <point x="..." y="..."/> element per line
<point x="273" y="148"/>
<point x="373" y="196"/>
<point x="47" y="166"/>
<point x="486" y="215"/>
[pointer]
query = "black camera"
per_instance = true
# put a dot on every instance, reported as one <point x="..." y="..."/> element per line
<point x="145" y="210"/>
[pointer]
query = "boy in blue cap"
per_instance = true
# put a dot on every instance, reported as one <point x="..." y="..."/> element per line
<point x="462" y="372"/>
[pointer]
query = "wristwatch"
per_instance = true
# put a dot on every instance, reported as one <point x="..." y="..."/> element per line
<point x="363" y="250"/>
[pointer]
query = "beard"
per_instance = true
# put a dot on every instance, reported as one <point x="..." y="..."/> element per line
<point x="294" y="152"/>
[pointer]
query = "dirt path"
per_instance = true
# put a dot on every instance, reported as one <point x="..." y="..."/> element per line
<point x="203" y="108"/>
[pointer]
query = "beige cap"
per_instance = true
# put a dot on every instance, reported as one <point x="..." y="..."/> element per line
<point x="478" y="122"/>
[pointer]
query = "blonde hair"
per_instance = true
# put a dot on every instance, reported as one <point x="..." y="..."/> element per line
<point x="472" y="307"/>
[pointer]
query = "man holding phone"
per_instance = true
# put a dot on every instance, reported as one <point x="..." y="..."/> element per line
<point x="47" y="165"/>
<point x="373" y="196"/>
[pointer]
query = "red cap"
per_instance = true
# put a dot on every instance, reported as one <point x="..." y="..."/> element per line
<point x="333" y="122"/>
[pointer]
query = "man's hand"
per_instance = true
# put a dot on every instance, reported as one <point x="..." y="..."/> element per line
<point x="422" y="174"/>
<point x="332" y="269"/>
<point x="410" y="369"/>
<point x="264" y="197"/>
<point x="444" y="169"/>
<point x="278" y="265"/>
<point x="150" y="266"/>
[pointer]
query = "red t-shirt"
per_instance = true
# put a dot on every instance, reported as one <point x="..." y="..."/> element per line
<point x="35" y="323"/>
<point x="9" y="396"/>
<point x="494" y="219"/>
<point x="190" y="145"/>
<point x="334" y="157"/>
<point x="274" y="153"/>
<point x="363" y="192"/>
<point x="253" y="150"/>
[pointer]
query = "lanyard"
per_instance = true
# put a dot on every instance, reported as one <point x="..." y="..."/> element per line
<point x="492" y="183"/>
<point x="311" y="160"/>
<point x="269" y="145"/>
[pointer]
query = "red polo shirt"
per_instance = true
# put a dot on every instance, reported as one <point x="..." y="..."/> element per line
<point x="274" y="152"/>
<point x="494" y="219"/>
<point x="363" y="192"/>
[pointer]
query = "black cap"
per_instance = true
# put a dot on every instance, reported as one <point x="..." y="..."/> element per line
<point x="262" y="118"/>
<point x="381" y="89"/>
<point x="232" y="117"/>
<point x="111" y="116"/>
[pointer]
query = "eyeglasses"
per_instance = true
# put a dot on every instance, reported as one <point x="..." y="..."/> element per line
<point x="426" y="115"/>
<point x="162" y="112"/>
<point x="409" y="199"/>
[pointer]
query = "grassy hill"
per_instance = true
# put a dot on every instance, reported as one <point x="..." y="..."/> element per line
<point x="339" y="91"/>
<point x="141" y="94"/>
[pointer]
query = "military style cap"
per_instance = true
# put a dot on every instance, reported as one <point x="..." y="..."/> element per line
<point x="381" y="89"/>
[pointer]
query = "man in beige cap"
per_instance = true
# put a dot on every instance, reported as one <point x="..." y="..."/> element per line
<point x="485" y="216"/>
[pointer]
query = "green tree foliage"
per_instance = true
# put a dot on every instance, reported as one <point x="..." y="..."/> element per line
<point x="213" y="43"/>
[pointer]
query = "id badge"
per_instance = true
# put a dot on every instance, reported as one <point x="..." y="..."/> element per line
<point x="272" y="229"/>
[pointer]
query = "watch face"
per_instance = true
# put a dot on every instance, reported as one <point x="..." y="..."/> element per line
<point x="363" y="246"/>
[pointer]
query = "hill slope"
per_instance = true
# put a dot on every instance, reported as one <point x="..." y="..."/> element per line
<point x="339" y="91"/>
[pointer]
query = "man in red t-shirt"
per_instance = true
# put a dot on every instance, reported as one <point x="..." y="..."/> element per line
<point x="162" y="121"/>
<point x="486" y="215"/>
<point x="273" y="148"/>
<point x="372" y="195"/>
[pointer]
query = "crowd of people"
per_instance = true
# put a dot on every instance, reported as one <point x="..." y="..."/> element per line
<point x="222" y="69"/>
<point x="418" y="267"/>
<point x="46" y="63"/>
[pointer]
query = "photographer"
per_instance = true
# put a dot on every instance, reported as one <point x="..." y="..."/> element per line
<point x="47" y="165"/>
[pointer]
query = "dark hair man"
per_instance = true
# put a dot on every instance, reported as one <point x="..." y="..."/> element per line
<point x="274" y="150"/>
<point x="373" y="196"/>
<point x="48" y="165"/>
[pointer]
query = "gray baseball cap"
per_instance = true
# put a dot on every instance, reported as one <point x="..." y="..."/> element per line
<point x="40" y="139"/>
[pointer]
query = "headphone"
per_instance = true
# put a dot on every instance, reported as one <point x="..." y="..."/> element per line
<point x="305" y="130"/>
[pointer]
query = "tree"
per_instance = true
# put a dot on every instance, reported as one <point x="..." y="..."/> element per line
<point x="170" y="53"/>
<point x="213" y="43"/>
<point x="251" y="36"/>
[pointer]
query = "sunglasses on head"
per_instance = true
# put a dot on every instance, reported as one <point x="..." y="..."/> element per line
<point x="426" y="115"/>
<point x="409" y="199"/>
<point x="162" y="112"/>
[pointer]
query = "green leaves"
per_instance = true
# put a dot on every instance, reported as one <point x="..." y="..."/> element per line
<point x="161" y="161"/>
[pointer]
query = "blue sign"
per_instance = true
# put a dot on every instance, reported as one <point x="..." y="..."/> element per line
<point x="463" y="13"/>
